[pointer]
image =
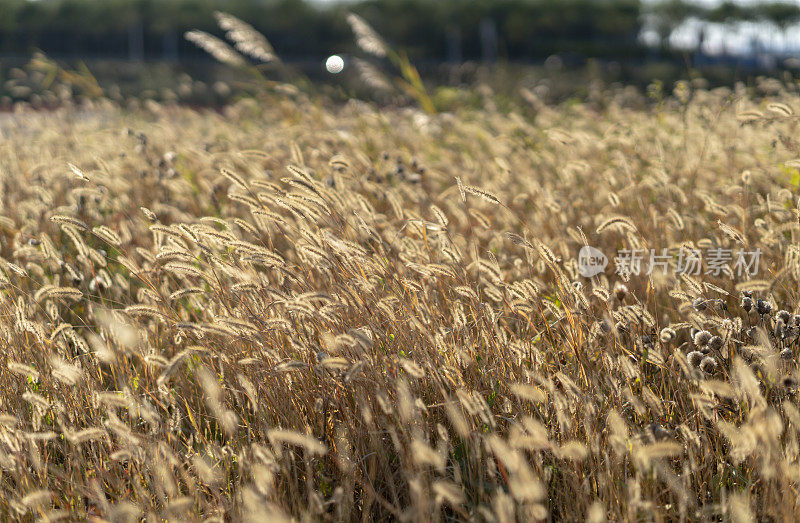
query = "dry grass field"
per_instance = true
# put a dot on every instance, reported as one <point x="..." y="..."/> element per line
<point x="291" y="309"/>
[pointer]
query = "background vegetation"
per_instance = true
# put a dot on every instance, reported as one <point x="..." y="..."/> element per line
<point x="430" y="30"/>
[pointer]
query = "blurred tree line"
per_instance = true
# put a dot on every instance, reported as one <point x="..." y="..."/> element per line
<point x="435" y="30"/>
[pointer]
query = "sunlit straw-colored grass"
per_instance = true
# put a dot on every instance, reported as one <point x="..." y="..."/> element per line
<point x="295" y="309"/>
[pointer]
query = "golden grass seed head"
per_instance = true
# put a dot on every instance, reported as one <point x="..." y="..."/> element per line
<point x="246" y="39"/>
<point x="366" y="37"/>
<point x="69" y="220"/>
<point x="23" y="370"/>
<point x="215" y="47"/>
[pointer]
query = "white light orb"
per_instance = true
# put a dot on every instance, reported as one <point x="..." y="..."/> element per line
<point x="334" y="64"/>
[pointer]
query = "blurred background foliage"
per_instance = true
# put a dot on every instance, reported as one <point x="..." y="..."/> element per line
<point x="138" y="45"/>
<point x="300" y="30"/>
<point x="435" y="30"/>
